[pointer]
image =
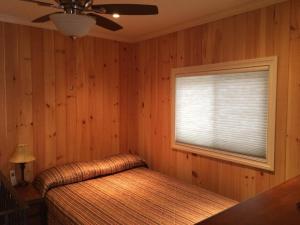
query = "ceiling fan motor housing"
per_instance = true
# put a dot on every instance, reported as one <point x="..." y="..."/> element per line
<point x="74" y="6"/>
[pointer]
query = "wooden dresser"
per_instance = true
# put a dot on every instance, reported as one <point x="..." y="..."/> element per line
<point x="278" y="206"/>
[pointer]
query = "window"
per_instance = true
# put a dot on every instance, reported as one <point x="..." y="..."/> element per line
<point x="226" y="111"/>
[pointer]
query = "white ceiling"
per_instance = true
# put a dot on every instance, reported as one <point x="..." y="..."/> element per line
<point x="173" y="15"/>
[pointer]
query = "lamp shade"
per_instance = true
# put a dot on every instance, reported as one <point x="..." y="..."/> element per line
<point x="22" y="154"/>
<point x="73" y="25"/>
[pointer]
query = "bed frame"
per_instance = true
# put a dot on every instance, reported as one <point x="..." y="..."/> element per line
<point x="12" y="208"/>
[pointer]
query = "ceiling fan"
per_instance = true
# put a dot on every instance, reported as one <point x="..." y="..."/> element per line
<point x="78" y="16"/>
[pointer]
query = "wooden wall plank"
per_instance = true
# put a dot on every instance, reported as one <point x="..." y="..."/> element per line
<point x="97" y="101"/>
<point x="127" y="91"/>
<point x="60" y="101"/>
<point x="281" y="23"/>
<point x="49" y="84"/>
<point x="293" y="130"/>
<point x="111" y="98"/>
<point x="12" y="92"/>
<point x="38" y="98"/>
<point x="82" y="102"/>
<point x="24" y="124"/>
<point x="69" y="87"/>
<point x="3" y="121"/>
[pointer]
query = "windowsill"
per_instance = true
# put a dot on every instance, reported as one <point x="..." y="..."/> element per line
<point x="226" y="156"/>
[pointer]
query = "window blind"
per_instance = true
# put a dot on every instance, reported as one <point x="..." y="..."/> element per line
<point x="227" y="112"/>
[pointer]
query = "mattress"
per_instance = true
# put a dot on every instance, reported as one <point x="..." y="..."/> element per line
<point x="133" y="196"/>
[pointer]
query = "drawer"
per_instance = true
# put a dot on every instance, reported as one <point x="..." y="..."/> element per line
<point x="34" y="221"/>
<point x="35" y="209"/>
<point x="36" y="214"/>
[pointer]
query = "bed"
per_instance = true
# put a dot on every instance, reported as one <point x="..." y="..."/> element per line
<point x="122" y="190"/>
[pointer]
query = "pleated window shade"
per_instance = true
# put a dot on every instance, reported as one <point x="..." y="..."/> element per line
<point x="226" y="112"/>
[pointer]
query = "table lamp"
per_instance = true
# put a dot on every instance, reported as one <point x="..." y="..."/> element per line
<point x="22" y="155"/>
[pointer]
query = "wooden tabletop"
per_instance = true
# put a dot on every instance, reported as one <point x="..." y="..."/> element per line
<point x="278" y="206"/>
<point x="29" y="193"/>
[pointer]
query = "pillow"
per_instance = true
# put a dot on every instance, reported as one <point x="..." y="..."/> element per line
<point x="80" y="171"/>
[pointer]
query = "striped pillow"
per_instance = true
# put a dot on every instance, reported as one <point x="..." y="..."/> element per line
<point x="80" y="171"/>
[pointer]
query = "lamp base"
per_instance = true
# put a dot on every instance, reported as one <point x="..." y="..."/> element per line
<point x="22" y="182"/>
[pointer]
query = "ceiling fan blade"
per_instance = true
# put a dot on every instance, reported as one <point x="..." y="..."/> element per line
<point x="126" y="9"/>
<point x="40" y="3"/>
<point x="106" y="23"/>
<point x="44" y="19"/>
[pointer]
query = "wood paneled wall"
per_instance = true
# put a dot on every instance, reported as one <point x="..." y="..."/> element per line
<point x="89" y="98"/>
<point x="266" y="32"/>
<point x="59" y="96"/>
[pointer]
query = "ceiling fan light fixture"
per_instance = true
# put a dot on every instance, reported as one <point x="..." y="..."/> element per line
<point x="73" y="25"/>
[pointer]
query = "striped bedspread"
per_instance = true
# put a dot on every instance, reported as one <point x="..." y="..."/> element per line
<point x="136" y="196"/>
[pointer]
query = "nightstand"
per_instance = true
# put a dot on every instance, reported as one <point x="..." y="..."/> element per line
<point x="36" y="212"/>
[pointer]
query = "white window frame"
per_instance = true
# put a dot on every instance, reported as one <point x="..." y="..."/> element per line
<point x="251" y="65"/>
